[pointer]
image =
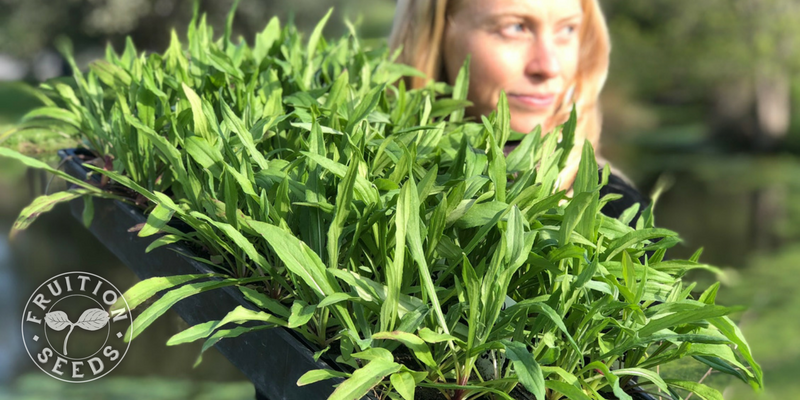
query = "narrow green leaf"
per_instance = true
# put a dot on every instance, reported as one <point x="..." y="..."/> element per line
<point x="568" y="136"/>
<point x="125" y="181"/>
<point x="612" y="379"/>
<point x="523" y="157"/>
<point x="634" y="237"/>
<point x="374" y="353"/>
<point x="364" y="379"/>
<point x="685" y="317"/>
<point x="344" y="199"/>
<point x="157" y="309"/>
<point x="572" y="392"/>
<point x="206" y="155"/>
<point x="395" y="270"/>
<point x="301" y="313"/>
<point x="629" y="273"/>
<point x="311" y="49"/>
<point x="433" y="337"/>
<point x="366" y="106"/>
<point x="414" y="239"/>
<point x="734" y="334"/>
<point x="265" y="302"/>
<point x="651" y="376"/>
<point x="444" y="107"/>
<point x="404" y="384"/>
<point x="413" y="342"/>
<point x="702" y="391"/>
<point x="199" y="331"/>
<point x="238" y="238"/>
<point x="317" y="375"/>
<point x="43" y="204"/>
<point x="244" y="135"/>
<point x="689" y="338"/>
<point x="545" y="310"/>
<point x="227" y="334"/>
<point x="336" y="298"/>
<point x="148" y="288"/>
<point x="710" y="295"/>
<point x="339" y="90"/>
<point x="373" y="292"/>
<point x="229" y="23"/>
<point x="171" y="153"/>
<point x="266" y="39"/>
<point x="238" y="315"/>
<point x="527" y="369"/>
<point x="297" y="257"/>
<point x="163" y="241"/>
<point x="55" y="113"/>
<point x="157" y="220"/>
<point x="502" y="124"/>
<point x="724" y="366"/>
<point x="201" y="127"/>
<point x="34" y="163"/>
<point x="460" y="89"/>
<point x="572" y="216"/>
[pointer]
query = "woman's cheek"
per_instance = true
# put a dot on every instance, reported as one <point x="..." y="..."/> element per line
<point x="569" y="63"/>
<point x="492" y="67"/>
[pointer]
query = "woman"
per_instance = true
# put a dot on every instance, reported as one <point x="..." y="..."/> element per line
<point x="546" y="55"/>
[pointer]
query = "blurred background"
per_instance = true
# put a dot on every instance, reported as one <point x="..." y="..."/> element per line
<point x="703" y="99"/>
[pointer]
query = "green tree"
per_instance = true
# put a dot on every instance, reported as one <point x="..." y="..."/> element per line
<point x="736" y="55"/>
<point x="28" y="26"/>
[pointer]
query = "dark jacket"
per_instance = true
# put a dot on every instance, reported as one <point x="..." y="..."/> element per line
<point x="630" y="196"/>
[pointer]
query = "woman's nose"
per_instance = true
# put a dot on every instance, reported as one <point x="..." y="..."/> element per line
<point x="543" y="62"/>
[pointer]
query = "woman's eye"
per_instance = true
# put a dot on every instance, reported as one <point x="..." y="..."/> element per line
<point x="568" y="30"/>
<point x="514" y="29"/>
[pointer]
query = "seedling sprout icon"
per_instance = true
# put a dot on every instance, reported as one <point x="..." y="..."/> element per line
<point x="92" y="319"/>
<point x="104" y="327"/>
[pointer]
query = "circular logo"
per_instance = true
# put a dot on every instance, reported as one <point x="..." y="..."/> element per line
<point x="70" y="329"/>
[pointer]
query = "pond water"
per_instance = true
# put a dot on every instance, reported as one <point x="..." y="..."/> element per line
<point x="9" y="314"/>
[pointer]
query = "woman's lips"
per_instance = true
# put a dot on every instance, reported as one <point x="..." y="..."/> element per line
<point x="536" y="101"/>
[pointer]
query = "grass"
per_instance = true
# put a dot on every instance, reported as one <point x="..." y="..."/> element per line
<point x="769" y="285"/>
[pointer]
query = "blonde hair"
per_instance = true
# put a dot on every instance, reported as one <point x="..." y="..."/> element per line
<point x="419" y="27"/>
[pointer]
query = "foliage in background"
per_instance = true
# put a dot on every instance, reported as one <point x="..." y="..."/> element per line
<point x="730" y="65"/>
<point x="376" y="222"/>
<point x="30" y="29"/>
<point x="717" y="41"/>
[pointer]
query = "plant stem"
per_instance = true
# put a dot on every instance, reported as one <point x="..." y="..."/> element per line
<point x="71" y="327"/>
<point x="700" y="381"/>
<point x="658" y="371"/>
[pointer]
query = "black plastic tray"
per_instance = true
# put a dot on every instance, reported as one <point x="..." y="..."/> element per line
<point x="273" y="359"/>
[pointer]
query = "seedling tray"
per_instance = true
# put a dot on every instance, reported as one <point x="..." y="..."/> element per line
<point x="273" y="359"/>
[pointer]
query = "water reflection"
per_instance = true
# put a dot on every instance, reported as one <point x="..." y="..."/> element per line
<point x="10" y="347"/>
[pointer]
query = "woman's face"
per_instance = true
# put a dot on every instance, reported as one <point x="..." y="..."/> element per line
<point x="527" y="48"/>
